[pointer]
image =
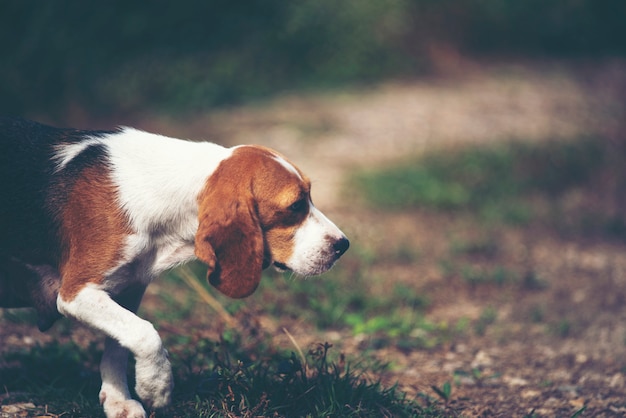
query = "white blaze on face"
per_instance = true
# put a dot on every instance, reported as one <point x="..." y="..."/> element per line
<point x="314" y="251"/>
<point x="288" y="166"/>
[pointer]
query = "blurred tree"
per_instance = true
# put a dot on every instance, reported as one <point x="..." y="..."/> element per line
<point x="191" y="54"/>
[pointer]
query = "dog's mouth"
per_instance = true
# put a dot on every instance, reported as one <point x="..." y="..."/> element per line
<point x="281" y="267"/>
<point x="267" y="261"/>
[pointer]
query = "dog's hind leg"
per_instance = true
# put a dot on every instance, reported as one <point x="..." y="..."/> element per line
<point x="24" y="285"/>
<point x="43" y="294"/>
<point x="114" y="394"/>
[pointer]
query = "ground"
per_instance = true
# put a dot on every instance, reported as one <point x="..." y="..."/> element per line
<point x="549" y="344"/>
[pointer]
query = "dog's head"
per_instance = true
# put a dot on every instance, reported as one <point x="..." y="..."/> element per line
<point x="256" y="211"/>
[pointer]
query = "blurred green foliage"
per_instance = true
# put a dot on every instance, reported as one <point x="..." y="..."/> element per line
<point x="511" y="182"/>
<point x="118" y="55"/>
<point x="477" y="176"/>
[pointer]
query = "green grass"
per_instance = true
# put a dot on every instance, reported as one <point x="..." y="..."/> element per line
<point x="311" y="386"/>
<point x="61" y="378"/>
<point x="512" y="183"/>
<point x="385" y="313"/>
<point x="392" y="314"/>
<point x="213" y="379"/>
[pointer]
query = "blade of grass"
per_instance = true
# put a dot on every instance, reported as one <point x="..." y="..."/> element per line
<point x="190" y="279"/>
<point x="298" y="349"/>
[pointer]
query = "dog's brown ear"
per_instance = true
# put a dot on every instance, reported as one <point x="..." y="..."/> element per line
<point x="230" y="241"/>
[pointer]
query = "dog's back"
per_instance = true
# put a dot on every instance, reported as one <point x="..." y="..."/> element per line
<point x="25" y="164"/>
<point x="32" y="188"/>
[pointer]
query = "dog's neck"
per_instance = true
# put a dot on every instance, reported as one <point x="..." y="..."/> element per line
<point x="159" y="178"/>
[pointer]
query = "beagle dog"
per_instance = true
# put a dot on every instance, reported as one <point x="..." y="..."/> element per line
<point x="89" y="218"/>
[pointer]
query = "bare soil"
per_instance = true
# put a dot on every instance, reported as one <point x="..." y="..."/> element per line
<point x="556" y="342"/>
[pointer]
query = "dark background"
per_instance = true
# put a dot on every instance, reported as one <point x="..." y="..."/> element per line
<point x="113" y="57"/>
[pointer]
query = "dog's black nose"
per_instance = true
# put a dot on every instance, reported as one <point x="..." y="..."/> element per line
<point x="341" y="246"/>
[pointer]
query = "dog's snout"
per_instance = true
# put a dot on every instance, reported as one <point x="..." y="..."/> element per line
<point x="341" y="246"/>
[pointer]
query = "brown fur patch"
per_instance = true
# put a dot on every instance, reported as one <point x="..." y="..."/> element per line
<point x="281" y="242"/>
<point x="244" y="207"/>
<point x="274" y="197"/>
<point x="229" y="237"/>
<point x="93" y="229"/>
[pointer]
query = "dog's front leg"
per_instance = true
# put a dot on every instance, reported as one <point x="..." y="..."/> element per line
<point x="95" y="308"/>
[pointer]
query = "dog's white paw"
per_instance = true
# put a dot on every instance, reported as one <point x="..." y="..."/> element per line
<point x="154" y="380"/>
<point x="125" y="408"/>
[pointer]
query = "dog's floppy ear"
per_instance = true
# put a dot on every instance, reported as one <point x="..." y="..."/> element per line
<point x="229" y="240"/>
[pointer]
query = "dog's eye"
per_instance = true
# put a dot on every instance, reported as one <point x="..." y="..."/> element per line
<point x="299" y="206"/>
